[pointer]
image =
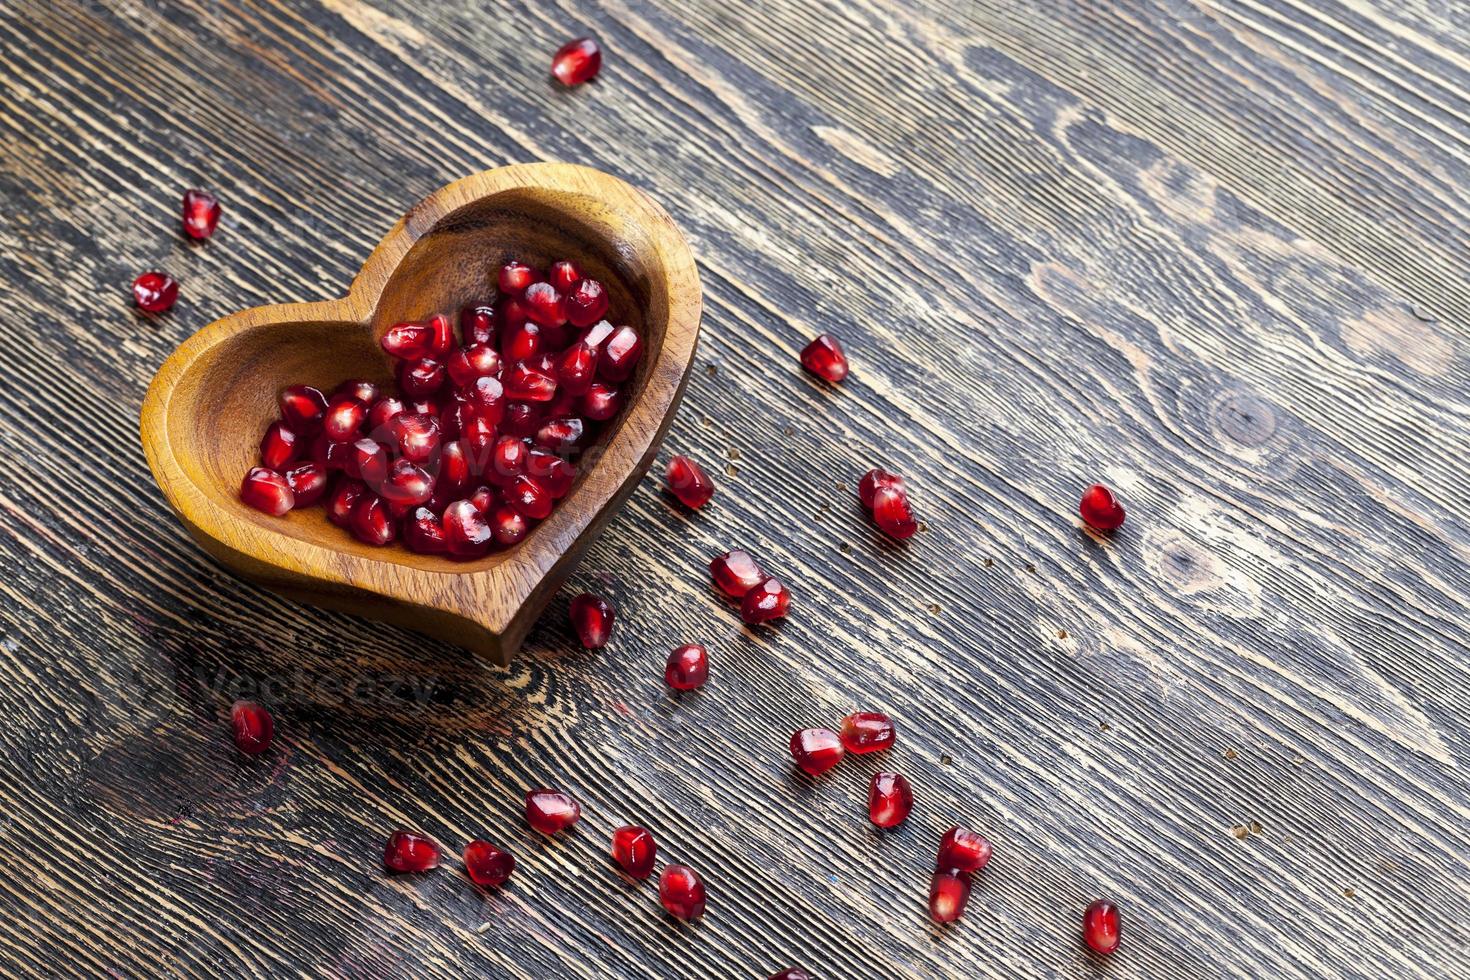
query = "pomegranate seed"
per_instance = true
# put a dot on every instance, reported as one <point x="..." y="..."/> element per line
<point x="407" y="853"/>
<point x="487" y="865"/>
<point x="308" y="483"/>
<point x="343" y="419"/>
<point x="201" y="214"/>
<point x="524" y="384"/>
<point x="507" y="460"/>
<point x="552" y="472"/>
<point x="515" y="277"/>
<point x="520" y="342"/>
<point x="586" y="302"/>
<point x="344" y="500"/>
<point x="529" y="498"/>
<point x="423" y="533"/>
<point x="791" y="973"/>
<point x="634" y="850"/>
<point x="521" y="419"/>
<point x="563" y="275"/>
<point x="508" y="527"/>
<point x="620" y="354"/>
<point x="577" y="61"/>
<point x="477" y="433"/>
<point x="442" y="333"/>
<point x="689" y="483"/>
<point x="824" y="358"/>
<point x="454" y="467"/>
<point x="477" y="325"/>
<point x="267" y="490"/>
<point x="1100" y="509"/>
<point x="561" y="435"/>
<point x="466" y="532"/>
<point x="867" y="731"/>
<point x="816" y="750"/>
<point x="601" y="402"/>
<point x="277" y="447"/>
<point x="872" y="480"/>
<point x="681" y="892"/>
<point x="511" y="312"/>
<point x="415" y="436"/>
<point x="474" y="361"/>
<point x="767" y="601"/>
<point x="407" y="484"/>
<point x="383" y="411"/>
<point x="687" y="667"/>
<point x="253" y="727"/>
<point x="155" y="292"/>
<point x="368" y="463"/>
<point x="949" y="892"/>
<point x="364" y="391"/>
<point x="551" y="811"/>
<point x="544" y="304"/>
<point x="890" y="798"/>
<point x="592" y="618"/>
<point x="372" y="523"/>
<point x="302" y="408"/>
<point x="576" y="368"/>
<point x="420" y="378"/>
<point x="963" y="850"/>
<point x="408" y="341"/>
<point x="597" y="334"/>
<point x="735" y="573"/>
<point x="484" y="499"/>
<point x="892" y="514"/>
<point x="1102" y="926"/>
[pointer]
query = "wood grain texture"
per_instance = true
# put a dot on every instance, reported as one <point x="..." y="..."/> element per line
<point x="1212" y="253"/>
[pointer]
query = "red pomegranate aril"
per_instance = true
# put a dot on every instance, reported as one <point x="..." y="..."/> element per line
<point x="520" y="342"/>
<point x="735" y="573"/>
<point x="268" y="491"/>
<point x="201" y="214"/>
<point x="689" y="483"/>
<point x="487" y="395"/>
<point x="344" y="418"/>
<point x="867" y="731"/>
<point x="454" y="467"/>
<point x="1100" y="509"/>
<point x="408" y="341"/>
<point x="155" y="292"/>
<point x="816" y="750"/>
<point x="596" y="335"/>
<point x="308" y="483"/>
<point x="477" y="325"/>
<point x="364" y="391"/>
<point x="687" y="667"/>
<point x="551" y="811"/>
<point x="529" y="498"/>
<point x="553" y="472"/>
<point x="415" y="436"/>
<point x="477" y="433"/>
<point x="368" y="463"/>
<point x="487" y="865"/>
<point x="383" y="411"/>
<point x="634" y="849"/>
<point x="507" y="526"/>
<point x="421" y="378"/>
<point x="372" y="523"/>
<point x="277" y="446"/>
<point x="563" y="275"/>
<point x="422" y="532"/>
<point x="824" y="358"/>
<point x="544" y="304"/>
<point x="408" y="484"/>
<point x="601" y="402"/>
<point x="1102" y="926"/>
<point x="409" y="853"/>
<point x="252" y="726"/>
<point x="791" y="973"/>
<point x="892" y="514"/>
<point x="620" y="354"/>
<point x="507" y="460"/>
<point x="560" y="435"/>
<point x="872" y="480"/>
<point x="521" y="419"/>
<point x="441" y="333"/>
<point x="592" y="617"/>
<point x="576" y="367"/>
<point x="332" y="455"/>
<point x="474" y="361"/>
<point x="949" y="893"/>
<point x="343" y="500"/>
<point x="511" y="312"/>
<point x="964" y="850"/>
<point x="523" y="384"/>
<point x="767" y="601"/>
<point x="577" y="61"/>
<point x="585" y="302"/>
<point x="466" y="532"/>
<point x="302" y="408"/>
<point x="681" y="892"/>
<point x="484" y="499"/>
<point x="890" y="798"/>
<point x="514" y="277"/>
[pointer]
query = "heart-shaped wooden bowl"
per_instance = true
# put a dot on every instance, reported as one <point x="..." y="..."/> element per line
<point x="213" y="398"/>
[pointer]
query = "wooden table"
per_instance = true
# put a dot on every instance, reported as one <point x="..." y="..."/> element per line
<point x="1212" y="253"/>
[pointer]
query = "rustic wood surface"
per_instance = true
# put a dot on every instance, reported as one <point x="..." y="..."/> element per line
<point x="1212" y="252"/>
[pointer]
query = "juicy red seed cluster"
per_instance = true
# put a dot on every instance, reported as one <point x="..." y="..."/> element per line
<point x="688" y="482"/>
<point x="962" y="852"/>
<point x="479" y="441"/>
<point x="824" y="358"/>
<point x="762" y="597"/>
<point x="887" y="497"/>
<point x="1100" y="509"/>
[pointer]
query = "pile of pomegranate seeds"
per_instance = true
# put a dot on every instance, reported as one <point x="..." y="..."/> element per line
<point x="687" y="667"/>
<point x="682" y="892"/>
<point x="252" y="726"/>
<point x="887" y="497"/>
<point x="409" y="853"/>
<point x="634" y="849"/>
<point x="1102" y="926"/>
<point x="201" y="214"/>
<point x="487" y="865"/>
<point x="824" y="358"/>
<point x="551" y="811"/>
<point x="689" y="483"/>
<point x="962" y="852"/>
<point x="1100" y="509"/>
<point x="592" y="618"/>
<point x="577" y="61"/>
<point x="762" y="597"/>
<point x="155" y="292"/>
<point x="478" y="442"/>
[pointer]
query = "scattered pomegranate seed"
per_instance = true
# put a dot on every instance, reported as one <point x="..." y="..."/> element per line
<point x="577" y="61"/>
<point x="586" y="302"/>
<point x="201" y="214"/>
<point x="687" y="667"/>
<point x="634" y="850"/>
<point x="487" y="865"/>
<point x="408" y="853"/>
<point x="277" y="447"/>
<point x="1100" y="509"/>
<point x="1102" y="926"/>
<point x="867" y="731"/>
<point x="872" y="480"/>
<point x="892" y="514"/>
<point x="767" y="601"/>
<point x="253" y="727"/>
<point x="268" y="491"/>
<point x="155" y="292"/>
<point x="824" y="358"/>
<point x="681" y="892"/>
<point x="949" y="892"/>
<point x="308" y="483"/>
<point x="689" y="483"/>
<point x="890" y="798"/>
<point x="816" y="750"/>
<point x="791" y="973"/>
<point x="592" y="618"/>
<point x="735" y="573"/>
<point x="963" y="850"/>
<point x="551" y="811"/>
<point x="620" y="354"/>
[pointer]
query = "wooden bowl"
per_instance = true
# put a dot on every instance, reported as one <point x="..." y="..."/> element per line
<point x="213" y="398"/>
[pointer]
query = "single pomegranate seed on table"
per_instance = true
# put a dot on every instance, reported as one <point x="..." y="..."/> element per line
<point x="308" y="483"/>
<point x="155" y="292"/>
<point x="687" y="667"/>
<point x="816" y="750"/>
<point x="767" y="601"/>
<point x="487" y="865"/>
<point x="963" y="850"/>
<point x="477" y="325"/>
<point x="422" y="533"/>
<point x="592" y="618"/>
<point x="268" y="491"/>
<point x="601" y="402"/>
<point x="343" y="419"/>
<point x="874" y="479"/>
<point x="343" y="501"/>
<point x="824" y="358"/>
<point x="892" y="514"/>
<point x="735" y="573"/>
<point x="408" y="853"/>
<point x="681" y="892"/>
<point x="1102" y="926"/>
<point x="277" y="446"/>
<point x="890" y="798"/>
<point x="252" y="726"/>
<point x="867" y="731"/>
<point x="1100" y="509"/>
<point x="466" y="532"/>
<point x="408" y="341"/>
<point x="634" y="850"/>
<point x="577" y="61"/>
<point x="689" y="483"/>
<point x="585" y="302"/>
<point x="544" y="304"/>
<point x="372" y="523"/>
<point x="620" y="354"/>
<point x="551" y="811"/>
<point x="949" y="892"/>
<point x="302" y="408"/>
<point x="201" y="214"/>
